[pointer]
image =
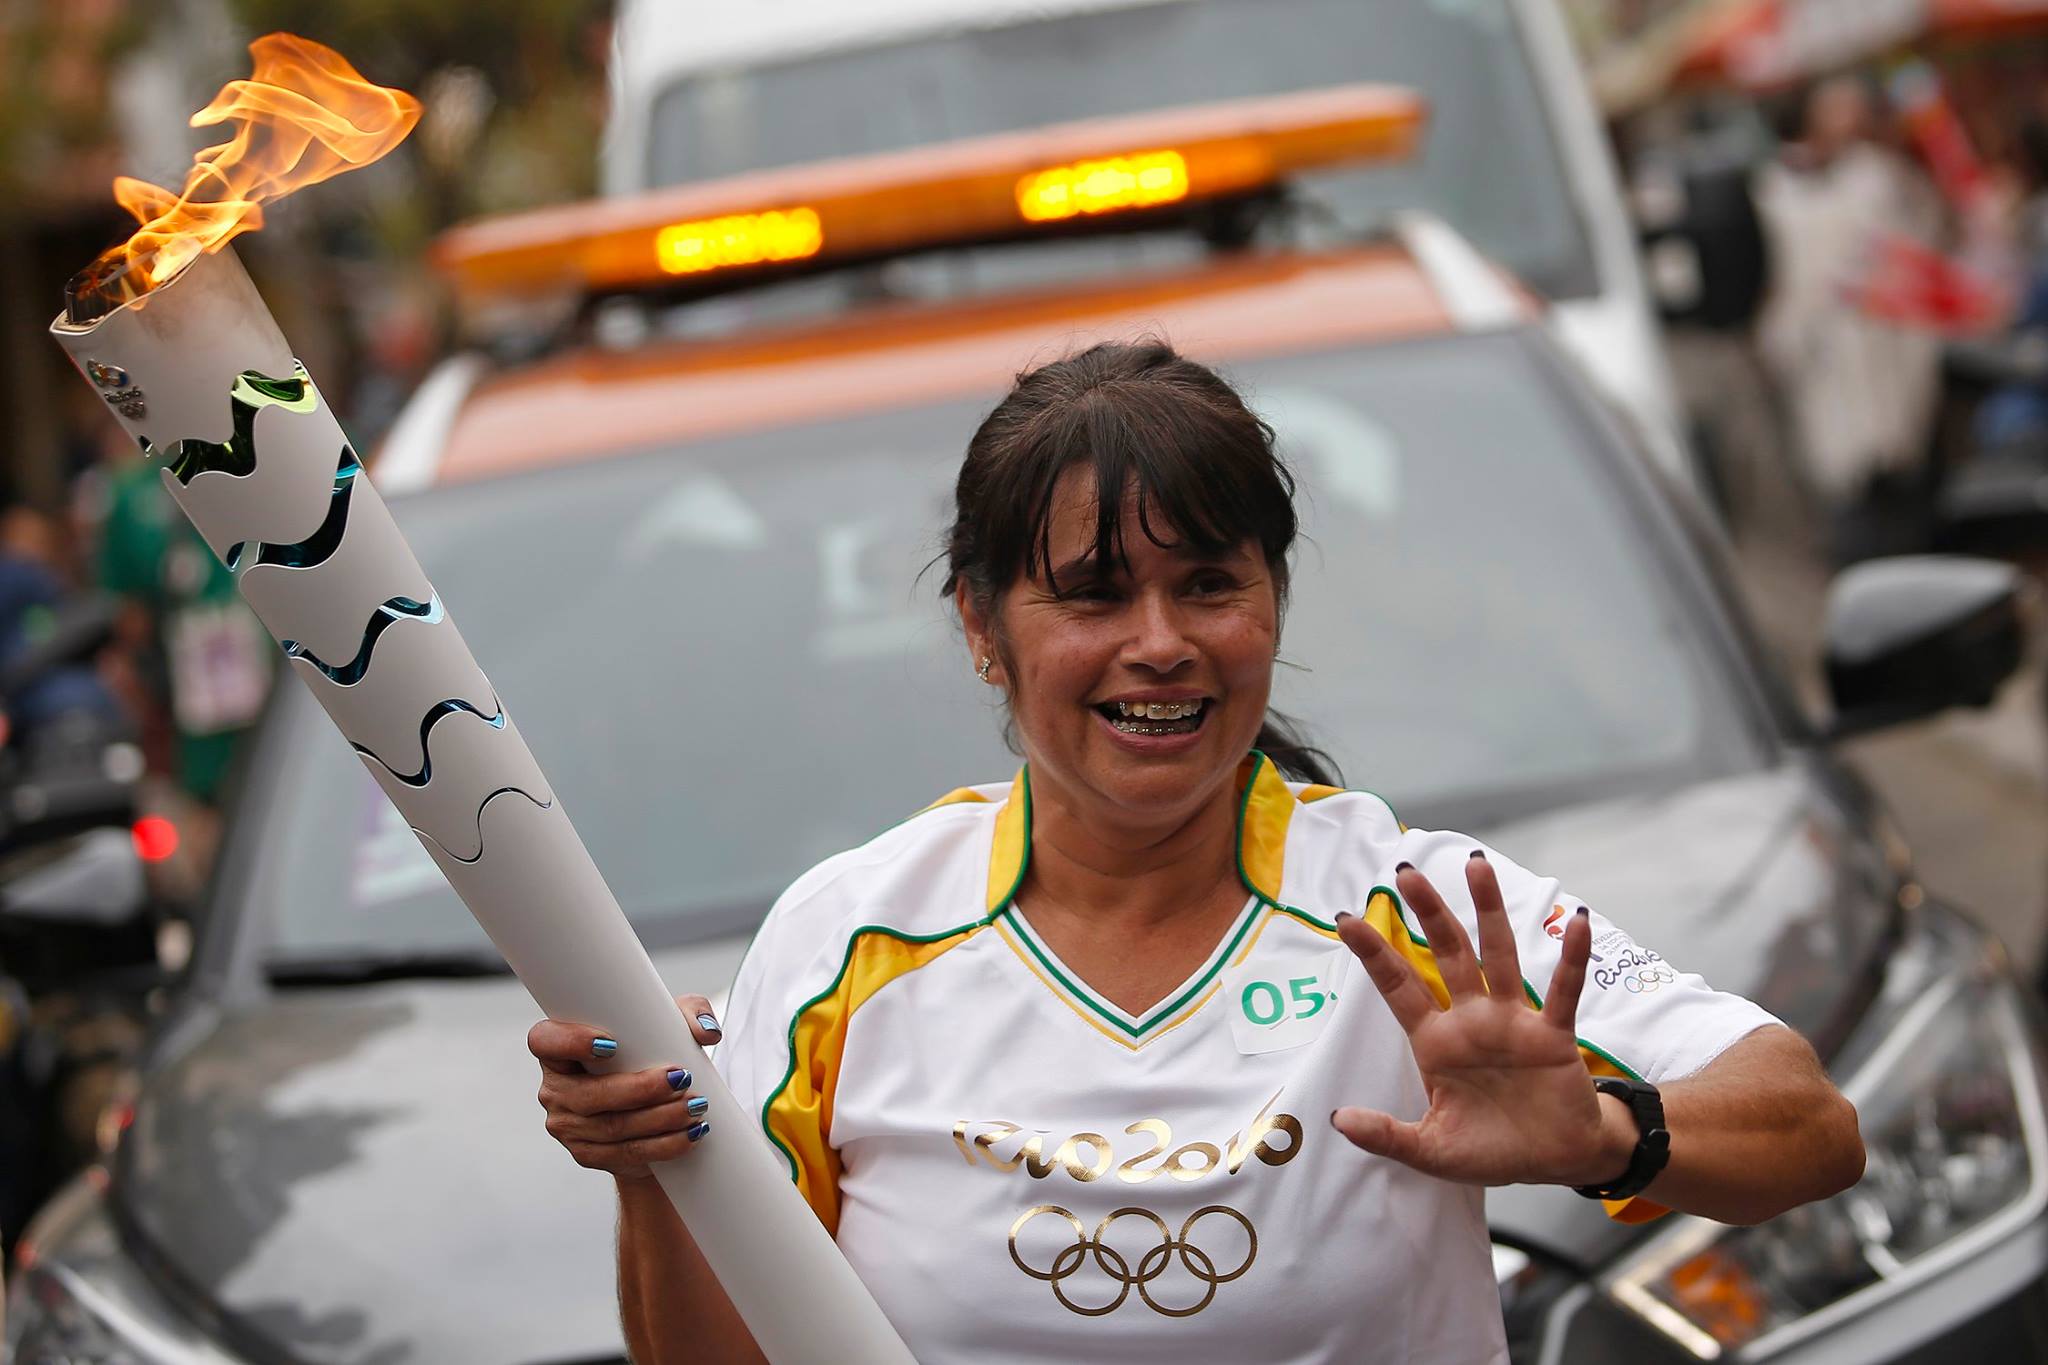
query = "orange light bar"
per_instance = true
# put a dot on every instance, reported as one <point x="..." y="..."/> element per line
<point x="926" y="196"/>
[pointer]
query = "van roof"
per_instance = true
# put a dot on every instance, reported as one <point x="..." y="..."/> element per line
<point x="652" y="47"/>
<point x="650" y="42"/>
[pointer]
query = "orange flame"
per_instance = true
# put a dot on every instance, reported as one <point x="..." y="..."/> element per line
<point x="303" y="115"/>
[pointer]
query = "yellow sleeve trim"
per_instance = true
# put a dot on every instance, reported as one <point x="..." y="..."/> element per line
<point x="798" y="1115"/>
<point x="959" y="796"/>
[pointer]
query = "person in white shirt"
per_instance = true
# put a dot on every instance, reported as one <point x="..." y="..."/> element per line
<point x="1153" y="1054"/>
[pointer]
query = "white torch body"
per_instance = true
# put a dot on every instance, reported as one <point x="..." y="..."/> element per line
<point x="198" y="372"/>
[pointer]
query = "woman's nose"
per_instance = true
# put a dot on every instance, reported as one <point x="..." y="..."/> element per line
<point x="1159" y="638"/>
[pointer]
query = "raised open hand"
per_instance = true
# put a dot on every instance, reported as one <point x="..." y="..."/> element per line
<point x="1510" y="1102"/>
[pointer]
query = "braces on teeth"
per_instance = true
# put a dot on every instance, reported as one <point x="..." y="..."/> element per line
<point x="1158" y="710"/>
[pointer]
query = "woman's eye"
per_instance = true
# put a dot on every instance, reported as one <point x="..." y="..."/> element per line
<point x="1210" y="584"/>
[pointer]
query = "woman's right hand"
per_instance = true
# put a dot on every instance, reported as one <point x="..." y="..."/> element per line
<point x="625" y="1121"/>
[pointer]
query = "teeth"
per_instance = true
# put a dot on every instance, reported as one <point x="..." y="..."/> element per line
<point x="1158" y="710"/>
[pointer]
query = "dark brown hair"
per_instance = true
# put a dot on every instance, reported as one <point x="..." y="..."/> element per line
<point x="1202" y="464"/>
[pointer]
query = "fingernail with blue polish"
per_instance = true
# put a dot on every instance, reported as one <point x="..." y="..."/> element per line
<point x="1343" y="915"/>
<point x="697" y="1105"/>
<point x="679" y="1079"/>
<point x="697" y="1132"/>
<point x="1585" y="912"/>
<point x="708" y="1024"/>
<point x="602" y="1047"/>
<point x="1479" y="853"/>
<point x="1404" y="867"/>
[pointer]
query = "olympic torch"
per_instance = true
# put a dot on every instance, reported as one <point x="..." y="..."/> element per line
<point x="170" y="331"/>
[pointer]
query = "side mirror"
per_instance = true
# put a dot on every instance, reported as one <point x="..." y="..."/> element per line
<point x="1914" y="635"/>
<point x="94" y="882"/>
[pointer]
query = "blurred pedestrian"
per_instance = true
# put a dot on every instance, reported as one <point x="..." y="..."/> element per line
<point x="2017" y="412"/>
<point x="32" y="587"/>
<point x="1861" y="390"/>
<point x="203" y="660"/>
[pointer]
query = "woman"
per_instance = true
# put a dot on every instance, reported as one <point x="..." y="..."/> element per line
<point x="1086" y="1066"/>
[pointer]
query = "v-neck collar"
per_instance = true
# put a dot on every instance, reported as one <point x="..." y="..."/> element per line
<point x="1265" y="807"/>
<point x="1177" y="1004"/>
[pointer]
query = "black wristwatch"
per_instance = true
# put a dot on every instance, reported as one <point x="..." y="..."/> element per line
<point x="1653" y="1140"/>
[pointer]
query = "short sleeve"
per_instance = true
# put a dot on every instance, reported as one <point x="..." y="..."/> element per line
<point x="815" y="963"/>
<point x="784" y="1082"/>
<point x="1639" y="1014"/>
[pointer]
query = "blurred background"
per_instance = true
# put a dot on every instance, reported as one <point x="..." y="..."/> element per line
<point x="1837" y="210"/>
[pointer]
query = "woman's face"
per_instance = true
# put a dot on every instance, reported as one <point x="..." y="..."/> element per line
<point x="1136" y="689"/>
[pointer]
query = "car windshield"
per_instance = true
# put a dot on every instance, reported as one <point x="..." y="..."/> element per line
<point x="731" y="665"/>
<point x="1489" y="165"/>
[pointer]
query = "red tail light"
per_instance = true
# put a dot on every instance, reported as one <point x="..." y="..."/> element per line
<point x="155" y="838"/>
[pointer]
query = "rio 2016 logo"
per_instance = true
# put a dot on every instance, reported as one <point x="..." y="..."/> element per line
<point x="1638" y="971"/>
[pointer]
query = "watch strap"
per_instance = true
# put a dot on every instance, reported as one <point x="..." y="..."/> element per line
<point x="1653" y="1141"/>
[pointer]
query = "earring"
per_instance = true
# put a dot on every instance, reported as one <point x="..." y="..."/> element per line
<point x="986" y="664"/>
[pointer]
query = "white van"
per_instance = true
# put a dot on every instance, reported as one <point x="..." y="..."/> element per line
<point x="1515" y="159"/>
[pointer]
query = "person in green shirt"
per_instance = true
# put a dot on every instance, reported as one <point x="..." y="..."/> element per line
<point x="214" y="661"/>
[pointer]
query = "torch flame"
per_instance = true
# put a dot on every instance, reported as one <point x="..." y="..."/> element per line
<point x="302" y="116"/>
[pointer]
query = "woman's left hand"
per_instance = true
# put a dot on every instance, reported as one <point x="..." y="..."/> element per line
<point x="1510" y="1101"/>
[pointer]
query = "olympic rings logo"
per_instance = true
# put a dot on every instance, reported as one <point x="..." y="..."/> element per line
<point x="1114" y="1264"/>
<point x="1649" y="981"/>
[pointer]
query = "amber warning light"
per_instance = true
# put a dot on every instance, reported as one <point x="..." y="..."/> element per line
<point x="1119" y="182"/>
<point x="739" y="239"/>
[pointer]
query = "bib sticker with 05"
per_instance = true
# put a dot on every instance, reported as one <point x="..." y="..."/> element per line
<point x="1279" y="1003"/>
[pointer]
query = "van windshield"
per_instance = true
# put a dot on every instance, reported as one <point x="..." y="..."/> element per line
<point x="1490" y="166"/>
<point x="727" y="661"/>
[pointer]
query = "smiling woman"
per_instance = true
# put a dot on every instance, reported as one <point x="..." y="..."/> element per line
<point x="1169" y="1021"/>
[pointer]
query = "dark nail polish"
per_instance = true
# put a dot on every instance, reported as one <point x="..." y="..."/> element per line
<point x="603" y="1047"/>
<point x="697" y="1131"/>
<point x="1343" y="915"/>
<point x="1585" y="912"/>
<point x="1479" y="853"/>
<point x="708" y="1024"/>
<point x="1404" y="867"/>
<point x="1333" y="1118"/>
<point x="679" y="1079"/>
<point x="697" y="1105"/>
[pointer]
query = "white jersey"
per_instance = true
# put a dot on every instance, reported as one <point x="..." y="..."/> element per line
<point x="1022" y="1171"/>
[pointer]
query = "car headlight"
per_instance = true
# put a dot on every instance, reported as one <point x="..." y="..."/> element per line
<point x="1950" y="1105"/>
<point x="74" y="1298"/>
<point x="51" y="1320"/>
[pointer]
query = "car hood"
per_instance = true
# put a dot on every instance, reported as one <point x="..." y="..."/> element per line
<point x="360" y="1174"/>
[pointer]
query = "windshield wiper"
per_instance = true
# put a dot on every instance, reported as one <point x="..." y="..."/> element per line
<point x="364" y="968"/>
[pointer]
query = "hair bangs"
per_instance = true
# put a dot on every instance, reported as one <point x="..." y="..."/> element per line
<point x="1162" y="462"/>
